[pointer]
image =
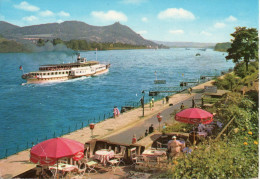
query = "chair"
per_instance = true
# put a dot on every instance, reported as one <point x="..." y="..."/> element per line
<point x="161" y="146"/>
<point x="136" y="159"/>
<point x="120" y="156"/>
<point x="114" y="163"/>
<point x="82" y="168"/>
<point x="90" y="164"/>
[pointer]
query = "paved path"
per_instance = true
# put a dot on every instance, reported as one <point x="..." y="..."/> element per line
<point x="126" y="136"/>
<point x="19" y="163"/>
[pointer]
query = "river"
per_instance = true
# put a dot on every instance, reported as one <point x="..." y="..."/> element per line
<point x="35" y="112"/>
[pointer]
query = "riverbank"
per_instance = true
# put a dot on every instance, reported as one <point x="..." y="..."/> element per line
<point x="19" y="163"/>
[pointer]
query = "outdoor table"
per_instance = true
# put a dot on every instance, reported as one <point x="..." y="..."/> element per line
<point x="104" y="155"/>
<point x="63" y="168"/>
<point x="153" y="153"/>
<point x="203" y="134"/>
<point x="150" y="154"/>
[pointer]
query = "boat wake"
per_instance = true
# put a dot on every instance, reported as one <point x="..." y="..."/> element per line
<point x="77" y="79"/>
<point x="51" y="83"/>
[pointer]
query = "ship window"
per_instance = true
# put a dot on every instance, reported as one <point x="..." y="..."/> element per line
<point x="38" y="74"/>
<point x="56" y="73"/>
<point x="48" y="73"/>
<point x="63" y="72"/>
<point x="52" y="73"/>
<point x="43" y="73"/>
<point x="59" y="72"/>
<point x="67" y="72"/>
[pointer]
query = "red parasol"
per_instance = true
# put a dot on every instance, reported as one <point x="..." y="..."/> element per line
<point x="49" y="151"/>
<point x="194" y="116"/>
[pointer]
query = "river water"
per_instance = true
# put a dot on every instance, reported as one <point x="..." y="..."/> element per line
<point x="35" y="112"/>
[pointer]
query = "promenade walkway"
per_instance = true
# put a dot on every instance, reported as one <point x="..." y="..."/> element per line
<point x="124" y="125"/>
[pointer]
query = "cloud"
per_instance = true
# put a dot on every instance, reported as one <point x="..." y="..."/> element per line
<point x="176" y="32"/>
<point x="231" y="19"/>
<point x="2" y="18"/>
<point x="63" y="14"/>
<point x="219" y="25"/>
<point x="142" y="32"/>
<point x="144" y="19"/>
<point x="205" y="33"/>
<point x="109" y="16"/>
<point x="174" y="13"/>
<point x="26" y="7"/>
<point x="46" y="13"/>
<point x="30" y="18"/>
<point x="60" y="21"/>
<point x="135" y="2"/>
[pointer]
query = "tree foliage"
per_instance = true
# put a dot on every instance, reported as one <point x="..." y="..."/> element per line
<point x="244" y="46"/>
<point x="84" y="45"/>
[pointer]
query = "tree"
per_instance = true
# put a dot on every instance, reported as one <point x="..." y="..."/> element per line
<point x="244" y="46"/>
<point x="40" y="42"/>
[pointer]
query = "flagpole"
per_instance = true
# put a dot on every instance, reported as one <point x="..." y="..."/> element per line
<point x="96" y="54"/>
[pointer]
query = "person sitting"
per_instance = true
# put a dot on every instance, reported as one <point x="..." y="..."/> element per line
<point x="151" y="129"/>
<point x="187" y="150"/>
<point x="174" y="148"/>
<point x="146" y="133"/>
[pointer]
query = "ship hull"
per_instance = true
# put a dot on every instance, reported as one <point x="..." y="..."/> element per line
<point x="46" y="80"/>
<point x="60" y="79"/>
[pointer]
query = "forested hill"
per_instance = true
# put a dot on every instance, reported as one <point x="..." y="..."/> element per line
<point x="69" y="30"/>
<point x="222" y="47"/>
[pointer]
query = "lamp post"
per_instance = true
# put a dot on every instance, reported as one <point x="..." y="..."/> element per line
<point x="142" y="101"/>
<point x="92" y="126"/>
<point x="159" y="117"/>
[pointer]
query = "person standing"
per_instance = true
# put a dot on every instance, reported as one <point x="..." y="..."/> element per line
<point x="163" y="101"/>
<point x="116" y="112"/>
<point x="134" y="139"/>
<point x="182" y="106"/>
<point x="193" y="102"/>
<point x="174" y="147"/>
<point x="167" y="99"/>
<point x="152" y="101"/>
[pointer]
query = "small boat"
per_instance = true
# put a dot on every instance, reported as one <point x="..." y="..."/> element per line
<point x="197" y="54"/>
<point x="66" y="71"/>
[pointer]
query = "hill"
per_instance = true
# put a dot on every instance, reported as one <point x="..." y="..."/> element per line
<point x="5" y="26"/>
<point x="187" y="44"/>
<point x="69" y="30"/>
<point x="222" y="47"/>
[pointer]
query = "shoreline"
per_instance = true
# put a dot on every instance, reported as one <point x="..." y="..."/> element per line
<point x="19" y="163"/>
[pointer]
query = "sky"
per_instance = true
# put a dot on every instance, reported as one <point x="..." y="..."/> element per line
<point x="162" y="20"/>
